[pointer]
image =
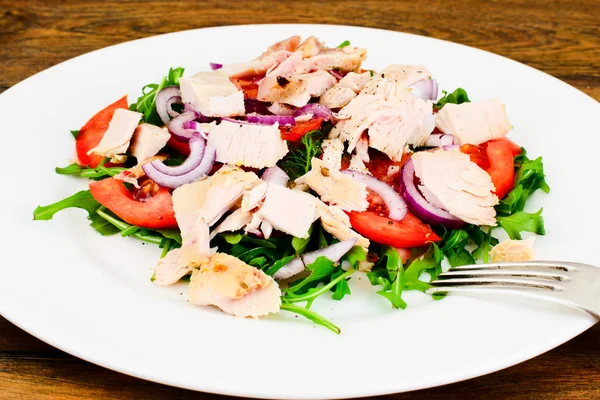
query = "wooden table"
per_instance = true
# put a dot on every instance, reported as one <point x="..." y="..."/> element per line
<point x="561" y="38"/>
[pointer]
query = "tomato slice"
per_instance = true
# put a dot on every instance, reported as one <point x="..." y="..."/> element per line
<point x="496" y="157"/>
<point x="295" y="133"/>
<point x="154" y="213"/>
<point x="92" y="132"/>
<point x="410" y="232"/>
<point x="501" y="170"/>
<point x="477" y="154"/>
<point x="515" y="149"/>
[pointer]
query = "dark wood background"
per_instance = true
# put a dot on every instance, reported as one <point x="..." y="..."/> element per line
<point x="561" y="38"/>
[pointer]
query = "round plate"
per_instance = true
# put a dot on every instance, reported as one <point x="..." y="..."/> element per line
<point x="91" y="296"/>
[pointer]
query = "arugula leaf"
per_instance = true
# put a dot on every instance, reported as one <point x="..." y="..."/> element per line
<point x="300" y="244"/>
<point x="99" y="172"/>
<point x="522" y="222"/>
<point x="232" y="238"/>
<point x="459" y="96"/>
<point x="484" y="242"/>
<point x="173" y="234"/>
<point x="529" y="177"/>
<point x="146" y="103"/>
<point x="354" y="256"/>
<point x="257" y="251"/>
<point x="82" y="199"/>
<point x="311" y="315"/>
<point x="313" y="293"/>
<point x="75" y="133"/>
<point x="430" y="262"/>
<point x="258" y="262"/>
<point x="102" y="226"/>
<point x="277" y="265"/>
<point x="342" y="288"/>
<point x="319" y="270"/>
<point x="298" y="161"/>
<point x="460" y="257"/>
<point x="389" y="273"/>
<point x="344" y="44"/>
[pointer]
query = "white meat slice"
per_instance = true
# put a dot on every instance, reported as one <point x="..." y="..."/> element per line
<point x="118" y="135"/>
<point x="233" y="222"/>
<point x="332" y="153"/>
<point x="337" y="97"/>
<point x="336" y="222"/>
<point x="310" y="47"/>
<point x="475" y="122"/>
<point x="513" y="250"/>
<point x="346" y="59"/>
<point x="274" y="55"/>
<point x="345" y="90"/>
<point x="391" y="124"/>
<point x="180" y="262"/>
<point x="362" y="149"/>
<point x="296" y="90"/>
<point x="409" y="122"/>
<point x="212" y="94"/>
<point x="354" y="81"/>
<point x="253" y="198"/>
<point x="336" y="188"/>
<point x="357" y="164"/>
<point x="212" y="197"/>
<point x="235" y="287"/>
<point x="289" y="211"/>
<point x="449" y="180"/>
<point x="132" y="174"/>
<point x="252" y="145"/>
<point x="147" y="141"/>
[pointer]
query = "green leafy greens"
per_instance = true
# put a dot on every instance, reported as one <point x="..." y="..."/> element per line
<point x="299" y="160"/>
<point x="459" y="96"/>
<point x="344" y="44"/>
<point x="146" y="103"/>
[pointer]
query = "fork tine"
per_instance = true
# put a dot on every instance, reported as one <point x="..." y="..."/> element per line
<point x="484" y="273"/>
<point x="476" y="290"/>
<point x="497" y="282"/>
<point x="533" y="265"/>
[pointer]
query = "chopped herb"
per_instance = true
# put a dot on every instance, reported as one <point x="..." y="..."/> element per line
<point x="459" y="96"/>
<point x="75" y="133"/>
<point x="344" y="44"/>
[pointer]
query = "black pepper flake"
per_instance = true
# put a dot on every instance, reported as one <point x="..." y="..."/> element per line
<point x="282" y="81"/>
<point x="390" y="222"/>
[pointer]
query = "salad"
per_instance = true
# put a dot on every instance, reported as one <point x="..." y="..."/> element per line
<point x="272" y="182"/>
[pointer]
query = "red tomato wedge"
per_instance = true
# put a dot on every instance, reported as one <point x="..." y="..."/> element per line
<point x="410" y="232"/>
<point x="295" y="133"/>
<point x="155" y="213"/>
<point x="502" y="166"/>
<point x="92" y="132"/>
<point x="496" y="157"/>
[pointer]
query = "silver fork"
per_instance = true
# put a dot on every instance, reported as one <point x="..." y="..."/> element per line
<point x="573" y="284"/>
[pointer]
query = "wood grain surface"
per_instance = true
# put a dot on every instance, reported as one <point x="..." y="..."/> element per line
<point x="561" y="38"/>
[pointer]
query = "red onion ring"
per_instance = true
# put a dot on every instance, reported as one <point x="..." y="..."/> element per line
<point x="392" y="199"/>
<point x="334" y="253"/>
<point x="174" y="182"/>
<point x="197" y="148"/>
<point x="420" y="206"/>
<point x="426" y="89"/>
<point x="317" y="110"/>
<point x="176" y="126"/>
<point x="276" y="176"/>
<point x="271" y="119"/>
<point x="215" y="66"/>
<point x="336" y="74"/>
<point x="164" y="100"/>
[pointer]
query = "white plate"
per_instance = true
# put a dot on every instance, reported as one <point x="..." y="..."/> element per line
<point x="91" y="296"/>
